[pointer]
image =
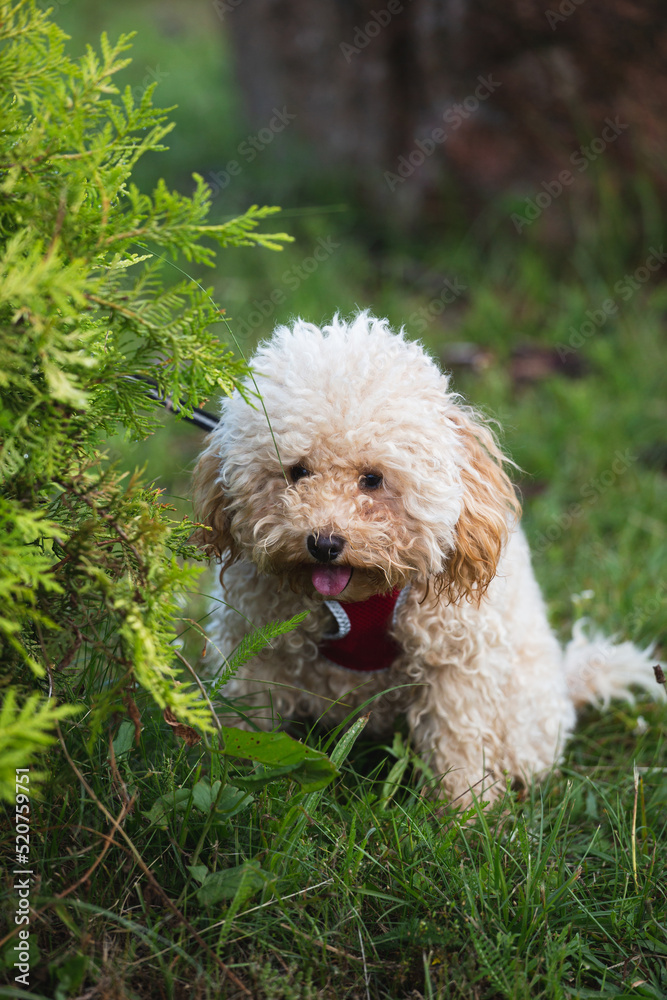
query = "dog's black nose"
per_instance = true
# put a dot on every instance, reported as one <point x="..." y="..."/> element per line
<point x="325" y="548"/>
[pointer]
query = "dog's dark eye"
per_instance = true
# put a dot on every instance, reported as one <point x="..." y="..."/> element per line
<point x="298" y="472"/>
<point x="371" y="481"/>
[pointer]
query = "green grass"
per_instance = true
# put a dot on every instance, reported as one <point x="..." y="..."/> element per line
<point x="372" y="888"/>
<point x="367" y="889"/>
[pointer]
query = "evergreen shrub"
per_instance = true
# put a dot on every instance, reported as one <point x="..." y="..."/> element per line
<point x="92" y="565"/>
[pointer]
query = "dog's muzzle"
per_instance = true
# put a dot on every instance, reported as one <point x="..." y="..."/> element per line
<point x="325" y="548"/>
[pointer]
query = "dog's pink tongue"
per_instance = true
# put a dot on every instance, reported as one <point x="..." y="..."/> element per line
<point x="331" y="580"/>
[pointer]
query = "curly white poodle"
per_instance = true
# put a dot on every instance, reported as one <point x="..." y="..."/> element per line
<point x="360" y="488"/>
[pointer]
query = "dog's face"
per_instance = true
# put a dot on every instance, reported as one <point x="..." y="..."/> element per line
<point x="358" y="474"/>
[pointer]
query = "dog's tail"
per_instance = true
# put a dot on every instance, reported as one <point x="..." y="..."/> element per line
<point x="598" y="670"/>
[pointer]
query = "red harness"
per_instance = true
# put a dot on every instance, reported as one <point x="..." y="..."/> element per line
<point x="363" y="642"/>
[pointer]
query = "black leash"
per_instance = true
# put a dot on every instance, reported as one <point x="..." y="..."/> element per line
<point x="200" y="418"/>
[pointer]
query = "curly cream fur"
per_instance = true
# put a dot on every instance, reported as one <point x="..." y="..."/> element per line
<point x="480" y="676"/>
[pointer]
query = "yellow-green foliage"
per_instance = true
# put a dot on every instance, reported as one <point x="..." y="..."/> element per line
<point x="89" y="578"/>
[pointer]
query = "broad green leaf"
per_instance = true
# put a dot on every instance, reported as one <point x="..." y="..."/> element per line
<point x="201" y="798"/>
<point x="242" y="880"/>
<point x="166" y="805"/>
<point x="124" y="739"/>
<point x="229" y="802"/>
<point x="199" y="872"/>
<point x="310" y="768"/>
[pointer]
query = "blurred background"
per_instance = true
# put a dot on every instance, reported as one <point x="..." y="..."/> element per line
<point x="488" y="174"/>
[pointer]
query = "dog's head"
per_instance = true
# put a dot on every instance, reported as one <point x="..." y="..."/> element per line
<point x="358" y="471"/>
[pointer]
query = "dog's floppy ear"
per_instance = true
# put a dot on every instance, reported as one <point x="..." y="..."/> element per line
<point x="209" y="501"/>
<point x="490" y="506"/>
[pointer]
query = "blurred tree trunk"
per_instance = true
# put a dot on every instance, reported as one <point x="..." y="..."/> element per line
<point x="518" y="87"/>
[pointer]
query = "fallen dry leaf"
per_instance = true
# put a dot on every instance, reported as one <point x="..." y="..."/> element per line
<point x="189" y="735"/>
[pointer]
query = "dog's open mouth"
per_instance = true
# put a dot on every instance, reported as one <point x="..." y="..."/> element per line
<point x="331" y="580"/>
